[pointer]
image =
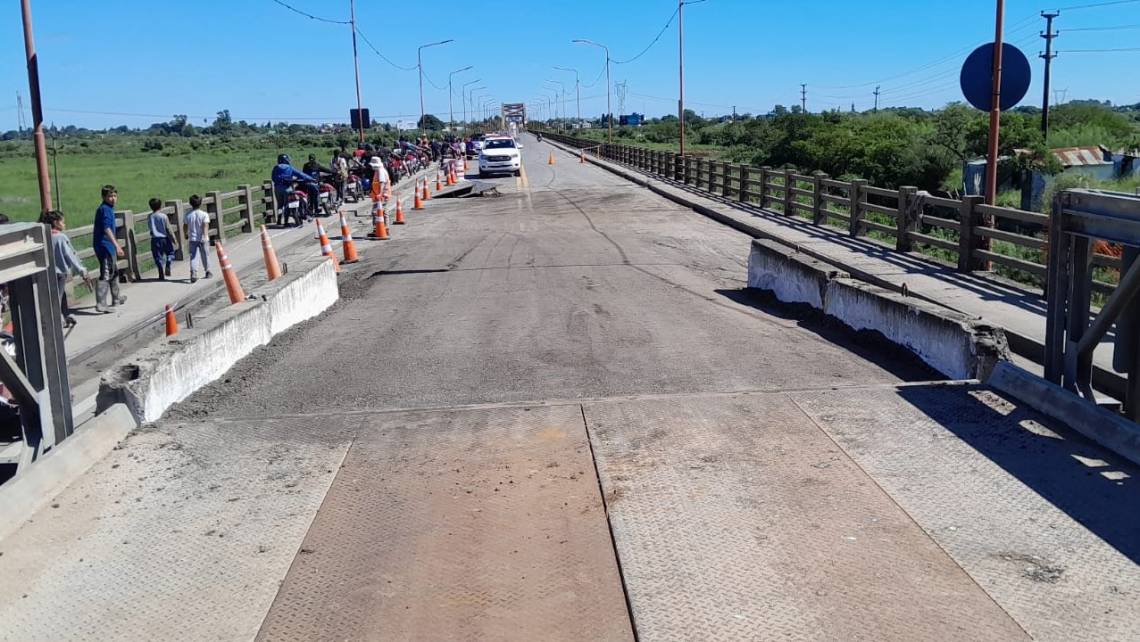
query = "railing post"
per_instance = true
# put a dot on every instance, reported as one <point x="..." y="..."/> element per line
<point x="246" y="199"/>
<point x="907" y="220"/>
<point x="742" y="193"/>
<point x="178" y="212"/>
<point x="688" y="178"/>
<point x="855" y="224"/>
<point x="968" y="217"/>
<point x="130" y="245"/>
<point x="817" y="205"/>
<point x="764" y="192"/>
<point x="726" y="180"/>
<point x="789" y="196"/>
<point x="214" y="209"/>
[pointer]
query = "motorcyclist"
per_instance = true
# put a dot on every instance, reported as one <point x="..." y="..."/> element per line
<point x="284" y="175"/>
<point x="314" y="168"/>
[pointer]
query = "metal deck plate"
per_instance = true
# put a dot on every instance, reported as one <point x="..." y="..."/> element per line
<point x="736" y="518"/>
<point x="181" y="533"/>
<point x="1048" y="524"/>
<point x="459" y="525"/>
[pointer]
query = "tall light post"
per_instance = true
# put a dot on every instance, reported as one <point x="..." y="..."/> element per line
<point x="681" y="71"/>
<point x="450" y="108"/>
<point x="609" y="110"/>
<point x="577" y="92"/>
<point x="475" y="92"/>
<point x="356" y="63"/>
<point x="463" y="99"/>
<point x="420" y="66"/>
<point x="563" y="105"/>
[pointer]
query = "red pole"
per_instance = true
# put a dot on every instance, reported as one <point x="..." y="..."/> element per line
<point x="681" y="70"/>
<point x="37" y="109"/>
<point x="995" y="110"/>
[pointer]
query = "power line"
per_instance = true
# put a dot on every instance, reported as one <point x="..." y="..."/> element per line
<point x="311" y="16"/>
<point x="1115" y="28"/>
<point x="1099" y="50"/>
<point x="1098" y="4"/>
<point x="382" y="56"/>
<point x="428" y="78"/>
<point x="650" y="45"/>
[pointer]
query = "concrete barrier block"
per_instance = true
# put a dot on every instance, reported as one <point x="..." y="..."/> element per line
<point x="792" y="277"/>
<point x="165" y="373"/>
<point x="957" y="345"/>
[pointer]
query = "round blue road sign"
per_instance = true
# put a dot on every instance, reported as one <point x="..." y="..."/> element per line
<point x="977" y="77"/>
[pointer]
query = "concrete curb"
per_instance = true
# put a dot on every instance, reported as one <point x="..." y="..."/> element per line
<point x="1105" y="428"/>
<point x="165" y="373"/>
<point x="21" y="497"/>
<point x="955" y="344"/>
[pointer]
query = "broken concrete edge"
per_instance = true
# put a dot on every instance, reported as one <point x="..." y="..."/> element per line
<point x="1106" y="428"/>
<point x="166" y="372"/>
<point x="27" y="493"/>
<point x="957" y="345"/>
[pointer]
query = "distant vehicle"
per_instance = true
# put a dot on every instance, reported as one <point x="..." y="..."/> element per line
<point x="500" y="154"/>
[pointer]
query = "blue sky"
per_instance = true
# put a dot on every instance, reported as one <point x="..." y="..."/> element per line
<point x="263" y="62"/>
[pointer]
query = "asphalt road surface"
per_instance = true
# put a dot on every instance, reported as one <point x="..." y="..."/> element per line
<point x="555" y="414"/>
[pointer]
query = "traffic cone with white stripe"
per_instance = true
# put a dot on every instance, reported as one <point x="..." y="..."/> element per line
<point x="272" y="266"/>
<point x="439" y="180"/>
<point x="399" y="212"/>
<point x="379" y="225"/>
<point x="550" y="160"/>
<point x="233" y="286"/>
<point x="346" y="242"/>
<point x="326" y="247"/>
<point x="418" y="203"/>
<point x="427" y="192"/>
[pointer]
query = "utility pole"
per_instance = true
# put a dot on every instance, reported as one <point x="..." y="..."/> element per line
<point x="876" y="92"/>
<point x="734" y="113"/>
<point x="37" y="108"/>
<point x="356" y="63"/>
<point x="681" y="70"/>
<point x="577" y="92"/>
<point x="463" y="99"/>
<point x="19" y="114"/>
<point x="995" y="108"/>
<point x="1059" y="96"/>
<point x="1049" y="35"/>
<point x="450" y="93"/>
<point x="610" y="115"/>
<point x="803" y="98"/>
<point x="420" y="66"/>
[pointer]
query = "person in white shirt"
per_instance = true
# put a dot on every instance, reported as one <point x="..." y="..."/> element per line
<point x="198" y="236"/>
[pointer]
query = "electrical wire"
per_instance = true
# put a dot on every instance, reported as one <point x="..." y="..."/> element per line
<point x="1098" y="4"/>
<point x="1098" y="50"/>
<point x="1114" y="28"/>
<point x="655" y="39"/>
<point x="311" y="16"/>
<point x="428" y="78"/>
<point x="382" y="56"/>
<point x="598" y="79"/>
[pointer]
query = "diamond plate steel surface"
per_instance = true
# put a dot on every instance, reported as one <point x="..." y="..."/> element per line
<point x="1046" y="522"/>
<point x="735" y="518"/>
<point x="183" y="532"/>
<point x="482" y="524"/>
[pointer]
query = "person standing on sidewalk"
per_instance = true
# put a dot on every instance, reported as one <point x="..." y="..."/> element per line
<point x="108" y="251"/>
<point x="198" y="236"/>
<point x="67" y="262"/>
<point x="161" y="240"/>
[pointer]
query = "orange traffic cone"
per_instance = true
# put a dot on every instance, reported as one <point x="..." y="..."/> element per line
<point x="233" y="286"/>
<point x="272" y="266"/>
<point x="427" y="192"/>
<point x="380" y="226"/>
<point x="171" y="322"/>
<point x="550" y="160"/>
<point x="439" y="180"/>
<point x="399" y="212"/>
<point x="418" y="203"/>
<point x="346" y="241"/>
<point x="450" y="177"/>
<point x="326" y="247"/>
<point x="465" y="164"/>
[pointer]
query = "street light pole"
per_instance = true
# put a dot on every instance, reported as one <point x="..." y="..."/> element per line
<point x="681" y="71"/>
<point x="420" y="66"/>
<point x="450" y="108"/>
<point x="609" y="109"/>
<point x="463" y="99"/>
<point x="577" y="92"/>
<point x="356" y="64"/>
<point x="559" y="83"/>
<point x="37" y="108"/>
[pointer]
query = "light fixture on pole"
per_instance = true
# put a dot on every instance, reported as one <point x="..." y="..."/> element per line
<point x="420" y="66"/>
<point x="577" y="92"/>
<point x="609" y="110"/>
<point x="463" y="99"/>
<point x="450" y="108"/>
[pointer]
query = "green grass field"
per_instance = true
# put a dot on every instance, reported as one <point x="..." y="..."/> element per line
<point x="169" y="174"/>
